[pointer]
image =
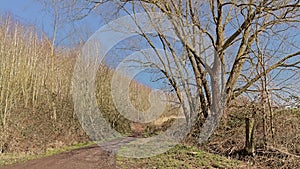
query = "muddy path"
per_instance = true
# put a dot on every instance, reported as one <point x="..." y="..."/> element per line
<point x="92" y="157"/>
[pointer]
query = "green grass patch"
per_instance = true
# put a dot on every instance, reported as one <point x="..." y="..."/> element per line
<point x="180" y="157"/>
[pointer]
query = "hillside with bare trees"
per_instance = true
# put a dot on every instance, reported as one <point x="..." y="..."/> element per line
<point x="223" y="82"/>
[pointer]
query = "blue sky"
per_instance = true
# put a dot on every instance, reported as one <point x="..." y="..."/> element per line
<point x="33" y="13"/>
<point x="27" y="11"/>
<point x="24" y="10"/>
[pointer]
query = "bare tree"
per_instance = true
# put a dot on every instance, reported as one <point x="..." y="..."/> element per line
<point x="58" y="10"/>
<point x="223" y="43"/>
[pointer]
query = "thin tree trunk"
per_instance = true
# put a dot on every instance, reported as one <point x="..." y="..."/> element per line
<point x="249" y="143"/>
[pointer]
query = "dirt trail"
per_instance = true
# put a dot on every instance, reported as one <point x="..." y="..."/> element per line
<point x="92" y="157"/>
